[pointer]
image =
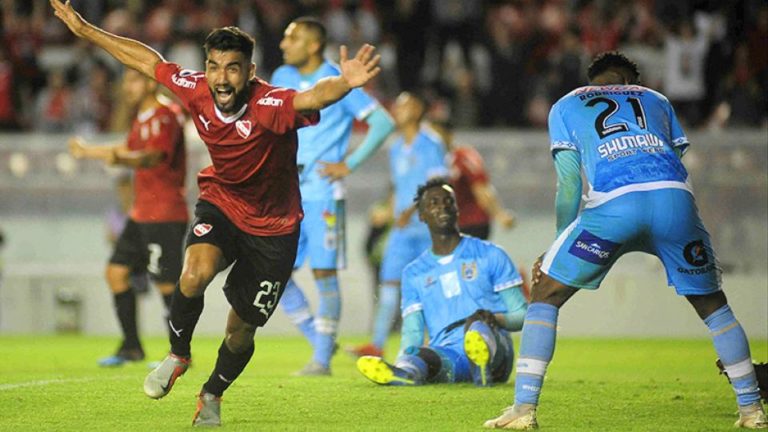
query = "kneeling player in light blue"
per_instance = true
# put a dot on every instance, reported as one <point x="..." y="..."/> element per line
<point x="628" y="143"/>
<point x="415" y="157"/>
<point x="466" y="293"/>
<point x="321" y="158"/>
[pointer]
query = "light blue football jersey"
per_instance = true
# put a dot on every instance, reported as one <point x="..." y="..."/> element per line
<point x="625" y="135"/>
<point x="412" y="165"/>
<point x="450" y="288"/>
<point x="327" y="141"/>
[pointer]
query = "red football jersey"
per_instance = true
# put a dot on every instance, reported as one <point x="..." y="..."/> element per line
<point x="253" y="179"/>
<point x="467" y="168"/>
<point x="159" y="190"/>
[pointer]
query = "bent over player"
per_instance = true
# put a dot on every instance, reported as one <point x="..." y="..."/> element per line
<point x="465" y="292"/>
<point x="154" y="233"/>
<point x="323" y="163"/>
<point x="627" y="141"/>
<point x="249" y="209"/>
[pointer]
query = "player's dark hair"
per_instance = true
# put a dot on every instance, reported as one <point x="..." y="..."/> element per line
<point x="614" y="60"/>
<point x="431" y="183"/>
<point x="230" y="39"/>
<point x="315" y="26"/>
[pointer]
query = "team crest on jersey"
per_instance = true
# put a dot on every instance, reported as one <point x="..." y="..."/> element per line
<point x="243" y="128"/>
<point x="469" y="271"/>
<point x="202" y="229"/>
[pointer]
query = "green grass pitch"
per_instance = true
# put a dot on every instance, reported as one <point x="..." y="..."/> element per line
<point x="52" y="383"/>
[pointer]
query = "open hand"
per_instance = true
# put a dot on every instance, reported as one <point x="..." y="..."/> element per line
<point x="69" y="16"/>
<point x="76" y="147"/>
<point x="334" y="170"/>
<point x="359" y="70"/>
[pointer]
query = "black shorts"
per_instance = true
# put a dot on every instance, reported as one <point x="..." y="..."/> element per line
<point x="262" y="264"/>
<point x="156" y="247"/>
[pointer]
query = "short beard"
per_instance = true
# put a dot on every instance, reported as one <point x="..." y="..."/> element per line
<point x="241" y="98"/>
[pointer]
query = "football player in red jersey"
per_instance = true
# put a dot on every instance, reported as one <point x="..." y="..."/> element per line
<point x="154" y="234"/>
<point x="476" y="197"/>
<point x="249" y="209"/>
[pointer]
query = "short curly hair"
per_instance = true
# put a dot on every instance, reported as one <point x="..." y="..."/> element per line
<point x="614" y="60"/>
<point x="431" y="183"/>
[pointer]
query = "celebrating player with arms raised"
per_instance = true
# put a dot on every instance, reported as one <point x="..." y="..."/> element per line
<point x="249" y="208"/>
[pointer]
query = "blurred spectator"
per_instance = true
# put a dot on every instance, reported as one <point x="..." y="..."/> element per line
<point x="500" y="62"/>
<point x="92" y="104"/>
<point x="742" y="99"/>
<point x="409" y="22"/>
<point x="685" y="50"/>
<point x="54" y="104"/>
<point x="8" y="94"/>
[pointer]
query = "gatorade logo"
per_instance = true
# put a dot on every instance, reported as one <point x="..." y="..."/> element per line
<point x="695" y="254"/>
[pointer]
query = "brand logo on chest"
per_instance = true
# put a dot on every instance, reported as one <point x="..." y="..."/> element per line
<point x="243" y="128"/>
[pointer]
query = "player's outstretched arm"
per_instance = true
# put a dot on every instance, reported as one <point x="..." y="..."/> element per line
<point x="355" y="72"/>
<point x="129" y="52"/>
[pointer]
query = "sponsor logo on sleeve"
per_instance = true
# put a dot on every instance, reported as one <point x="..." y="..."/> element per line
<point x="186" y="78"/>
<point x="592" y="248"/>
<point x="202" y="229"/>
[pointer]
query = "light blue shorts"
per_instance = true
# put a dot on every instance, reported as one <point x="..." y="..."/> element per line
<point x="322" y="237"/>
<point x="403" y="246"/>
<point x="662" y="222"/>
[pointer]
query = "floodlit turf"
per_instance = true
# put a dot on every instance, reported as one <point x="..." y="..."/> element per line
<point x="52" y="383"/>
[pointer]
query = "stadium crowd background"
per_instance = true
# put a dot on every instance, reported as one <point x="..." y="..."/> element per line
<point x="523" y="55"/>
<point x="484" y="63"/>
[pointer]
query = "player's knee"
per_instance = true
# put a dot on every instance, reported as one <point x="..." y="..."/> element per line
<point x="706" y="305"/>
<point x="240" y="340"/>
<point x="195" y="278"/>
<point x="117" y="277"/>
<point x="549" y="291"/>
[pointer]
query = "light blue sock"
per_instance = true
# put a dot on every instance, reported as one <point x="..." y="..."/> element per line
<point x="537" y="346"/>
<point x="296" y="307"/>
<point x="327" y="320"/>
<point x="389" y="296"/>
<point x="733" y="349"/>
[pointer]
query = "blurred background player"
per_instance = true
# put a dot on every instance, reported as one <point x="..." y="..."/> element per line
<point x="415" y="157"/>
<point x="116" y="218"/>
<point x="476" y="197"/>
<point x="628" y="142"/>
<point x="465" y="292"/>
<point x="323" y="163"/>
<point x="154" y="233"/>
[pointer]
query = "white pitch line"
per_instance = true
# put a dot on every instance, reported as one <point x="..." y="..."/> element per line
<point x="41" y="383"/>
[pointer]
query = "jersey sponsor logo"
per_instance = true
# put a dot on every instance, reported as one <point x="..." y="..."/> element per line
<point x="695" y="254"/>
<point x="202" y="229"/>
<point x="186" y="78"/>
<point x="270" y="101"/>
<point x="450" y="284"/>
<point x="469" y="271"/>
<point x="592" y="248"/>
<point x="243" y="128"/>
<point x="629" y="145"/>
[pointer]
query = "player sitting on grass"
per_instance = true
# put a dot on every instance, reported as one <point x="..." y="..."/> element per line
<point x="465" y="291"/>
